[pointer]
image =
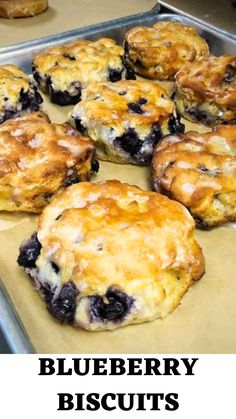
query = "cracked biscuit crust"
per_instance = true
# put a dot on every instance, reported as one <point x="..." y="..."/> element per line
<point x="206" y="90"/>
<point x="126" y="119"/>
<point x="64" y="70"/>
<point x="110" y="254"/>
<point x="38" y="159"/>
<point x="199" y="170"/>
<point x="158" y="52"/>
<point x="17" y="94"/>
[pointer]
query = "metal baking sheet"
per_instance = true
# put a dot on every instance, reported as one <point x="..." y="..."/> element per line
<point x="219" y="16"/>
<point x="22" y="54"/>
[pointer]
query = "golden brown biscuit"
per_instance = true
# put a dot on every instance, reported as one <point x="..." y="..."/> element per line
<point x="199" y="170"/>
<point x="17" y="93"/>
<point x="109" y="254"/>
<point x="158" y="52"/>
<point x="38" y="159"/>
<point x="125" y="119"/>
<point x="22" y="8"/>
<point x="206" y="90"/>
<point x="64" y="70"/>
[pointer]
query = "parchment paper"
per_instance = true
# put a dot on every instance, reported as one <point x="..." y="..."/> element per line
<point x="204" y="322"/>
<point x="65" y="15"/>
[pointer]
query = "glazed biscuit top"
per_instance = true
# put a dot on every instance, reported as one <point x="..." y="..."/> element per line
<point x="170" y="44"/>
<point x="211" y="78"/>
<point x="116" y="234"/>
<point x="197" y="164"/>
<point x="12" y="81"/>
<point x="123" y="104"/>
<point x="31" y="146"/>
<point x="81" y="60"/>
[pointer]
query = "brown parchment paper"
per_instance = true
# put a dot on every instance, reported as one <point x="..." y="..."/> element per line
<point x="204" y="322"/>
<point x="65" y="15"/>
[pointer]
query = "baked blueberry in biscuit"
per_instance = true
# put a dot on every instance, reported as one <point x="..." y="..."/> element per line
<point x="199" y="170"/>
<point x="62" y="71"/>
<point x="158" y="52"/>
<point x="110" y="254"/>
<point x="206" y="90"/>
<point x="17" y="94"/>
<point x="126" y="119"/>
<point x="38" y="159"/>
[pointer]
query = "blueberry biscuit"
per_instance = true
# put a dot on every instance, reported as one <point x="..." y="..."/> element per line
<point x="109" y="254"/>
<point x="125" y="119"/>
<point x="199" y="170"/>
<point x="158" y="52"/>
<point x="17" y="93"/>
<point x="38" y="159"/>
<point x="64" y="70"/>
<point x="23" y="8"/>
<point x="206" y="90"/>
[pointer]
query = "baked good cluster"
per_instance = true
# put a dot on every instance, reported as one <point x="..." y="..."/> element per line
<point x="108" y="254"/>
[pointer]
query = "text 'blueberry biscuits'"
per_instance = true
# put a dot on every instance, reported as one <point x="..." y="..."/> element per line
<point x="64" y="70"/>
<point x="17" y="93"/>
<point x="199" y="170"/>
<point x="126" y="119"/>
<point x="158" y="52"/>
<point x="206" y="90"/>
<point x="109" y="254"/>
<point x="38" y="159"/>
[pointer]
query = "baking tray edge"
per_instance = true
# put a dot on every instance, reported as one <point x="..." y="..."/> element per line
<point x="214" y="28"/>
<point x="11" y="326"/>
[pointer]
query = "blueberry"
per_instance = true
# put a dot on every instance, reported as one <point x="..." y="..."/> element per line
<point x="37" y="95"/>
<point x="63" y="98"/>
<point x="79" y="126"/>
<point x="135" y="107"/>
<point x="113" y="310"/>
<point x="36" y="75"/>
<point x="142" y="101"/>
<point x="95" y="166"/>
<point x="71" y="181"/>
<point x="24" y="99"/>
<point x="70" y="57"/>
<point x="129" y="141"/>
<point x="129" y="74"/>
<point x="174" y="125"/>
<point x="8" y="114"/>
<point x="200" y="223"/>
<point x="46" y="292"/>
<point x="63" y="307"/>
<point x="202" y="116"/>
<point x="114" y="74"/>
<point x="202" y="169"/>
<point x="114" y="307"/>
<point x="29" y="252"/>
<point x="95" y="308"/>
<point x="55" y="267"/>
<point x="155" y="135"/>
<point x="209" y="172"/>
<point x="48" y="196"/>
<point x="144" y="156"/>
<point x="230" y="74"/>
<point x="30" y="100"/>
